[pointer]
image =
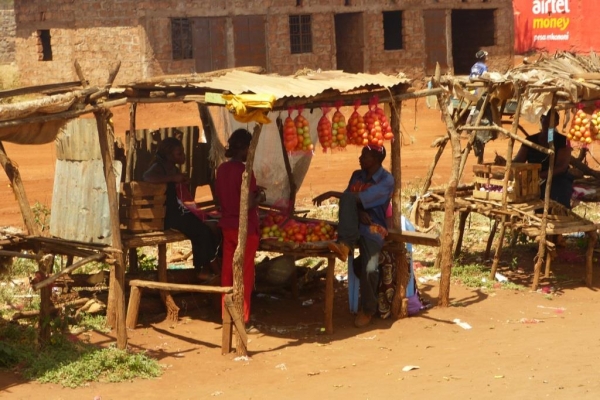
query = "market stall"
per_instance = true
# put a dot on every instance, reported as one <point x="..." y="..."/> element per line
<point x="257" y="101"/>
<point x="509" y="193"/>
<point x="288" y="117"/>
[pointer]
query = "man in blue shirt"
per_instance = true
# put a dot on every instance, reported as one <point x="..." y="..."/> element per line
<point x="479" y="67"/>
<point x="362" y="223"/>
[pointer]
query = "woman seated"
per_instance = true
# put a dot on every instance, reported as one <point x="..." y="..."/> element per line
<point x="204" y="238"/>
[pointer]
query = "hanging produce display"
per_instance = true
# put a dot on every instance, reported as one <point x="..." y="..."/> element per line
<point x="290" y="135"/>
<point x="338" y="128"/>
<point x="303" y="132"/>
<point x="324" y="130"/>
<point x="377" y="125"/>
<point x="356" y="127"/>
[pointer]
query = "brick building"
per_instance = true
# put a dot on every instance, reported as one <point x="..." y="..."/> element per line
<point x="155" y="37"/>
<point x="7" y="32"/>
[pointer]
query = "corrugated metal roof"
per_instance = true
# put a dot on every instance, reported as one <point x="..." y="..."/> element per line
<point x="311" y="84"/>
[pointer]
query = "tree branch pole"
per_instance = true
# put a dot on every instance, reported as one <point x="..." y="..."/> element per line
<point x="449" y="200"/>
<point x="240" y="251"/>
<point x="509" y="157"/>
<point x="542" y="246"/>
<point x="116" y="313"/>
<point x="12" y="172"/>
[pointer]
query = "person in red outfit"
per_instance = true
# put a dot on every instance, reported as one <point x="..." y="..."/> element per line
<point x="228" y="193"/>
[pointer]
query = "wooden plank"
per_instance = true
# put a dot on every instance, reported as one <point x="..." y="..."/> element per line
<point x="133" y="308"/>
<point x="180" y="287"/>
<point x="53" y="87"/>
<point x="139" y="212"/>
<point x="140" y="189"/>
<point x="138" y="225"/>
<point x="141" y="201"/>
<point x="131" y="240"/>
<point x="426" y="239"/>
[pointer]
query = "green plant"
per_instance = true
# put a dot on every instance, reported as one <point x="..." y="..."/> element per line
<point x="41" y="214"/>
<point x="145" y="262"/>
<point x="93" y="322"/>
<point x="68" y="361"/>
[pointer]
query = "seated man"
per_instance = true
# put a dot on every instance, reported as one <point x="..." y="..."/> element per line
<point x="362" y="223"/>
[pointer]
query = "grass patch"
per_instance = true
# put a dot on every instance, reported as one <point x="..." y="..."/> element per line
<point x="472" y="276"/>
<point x="68" y="361"/>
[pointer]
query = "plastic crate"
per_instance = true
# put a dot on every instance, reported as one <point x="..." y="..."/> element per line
<point x="523" y="182"/>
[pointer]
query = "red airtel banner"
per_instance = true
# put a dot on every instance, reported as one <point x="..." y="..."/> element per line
<point x="553" y="25"/>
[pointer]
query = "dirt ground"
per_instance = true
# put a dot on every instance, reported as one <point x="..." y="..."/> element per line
<point x="522" y="343"/>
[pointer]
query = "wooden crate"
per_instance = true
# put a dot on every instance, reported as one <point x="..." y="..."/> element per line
<point x="523" y="183"/>
<point x="142" y="206"/>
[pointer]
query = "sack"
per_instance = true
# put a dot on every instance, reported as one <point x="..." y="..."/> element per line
<point x="416" y="303"/>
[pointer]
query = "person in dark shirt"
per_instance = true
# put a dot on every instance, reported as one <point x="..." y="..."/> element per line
<point x="562" y="180"/>
<point x="204" y="239"/>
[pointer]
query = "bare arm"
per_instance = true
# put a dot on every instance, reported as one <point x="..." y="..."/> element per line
<point x="561" y="163"/>
<point x="324" y="196"/>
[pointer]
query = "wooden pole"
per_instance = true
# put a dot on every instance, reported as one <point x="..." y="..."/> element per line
<point x="509" y="157"/>
<point x="44" y="332"/>
<point x="12" y="172"/>
<point x="240" y="251"/>
<point x="542" y="245"/>
<point x="117" y="312"/>
<point x="399" y="301"/>
<point x="449" y="200"/>
<point x="68" y="270"/>
<point x="131" y="143"/>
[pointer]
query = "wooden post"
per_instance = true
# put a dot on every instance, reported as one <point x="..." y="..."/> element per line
<point x="240" y="251"/>
<point x="449" y="200"/>
<point x="509" y="157"/>
<point x="167" y="298"/>
<point x="436" y="159"/>
<point x="116" y="309"/>
<point x="462" y="221"/>
<point x="399" y="301"/>
<point x="12" y="172"/>
<point x="45" y="266"/>
<point x="130" y="162"/>
<point x="135" y="295"/>
<point x="589" y="257"/>
<point x="542" y="246"/>
<point x="211" y="135"/>
<point x="329" y="278"/>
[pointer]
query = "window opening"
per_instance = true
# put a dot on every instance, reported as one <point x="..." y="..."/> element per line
<point x="392" y="30"/>
<point x="44" y="45"/>
<point x="181" y="38"/>
<point x="300" y="34"/>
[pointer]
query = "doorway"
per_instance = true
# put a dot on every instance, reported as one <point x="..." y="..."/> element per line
<point x="471" y="30"/>
<point x="436" y="45"/>
<point x="349" y="42"/>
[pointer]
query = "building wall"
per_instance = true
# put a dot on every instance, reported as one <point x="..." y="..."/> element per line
<point x="7" y="33"/>
<point x="138" y="33"/>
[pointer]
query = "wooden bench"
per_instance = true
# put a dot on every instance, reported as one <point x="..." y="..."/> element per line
<point x="230" y="313"/>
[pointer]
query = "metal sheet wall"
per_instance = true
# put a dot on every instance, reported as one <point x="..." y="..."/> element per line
<point x="79" y="201"/>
